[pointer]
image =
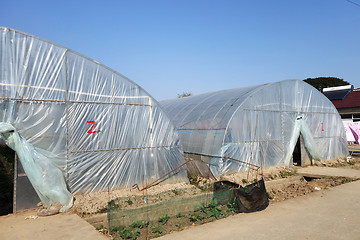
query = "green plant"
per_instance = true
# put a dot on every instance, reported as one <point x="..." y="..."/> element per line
<point x="178" y="215"/>
<point x="215" y="212"/>
<point x="156" y="229"/>
<point x="194" y="179"/>
<point x="214" y="209"/>
<point x="346" y="180"/>
<point x="179" y="225"/>
<point x="114" y="229"/>
<point x="129" y="202"/>
<point x="285" y="174"/>
<point x="351" y="163"/>
<point x="125" y="232"/>
<point x="204" y="188"/>
<point x="163" y="219"/>
<point x="269" y="196"/>
<point x="176" y="192"/>
<point x="128" y="233"/>
<point x="201" y="207"/>
<point x="112" y="205"/>
<point x="102" y="210"/>
<point x="196" y="217"/>
<point x="232" y="207"/>
<point x="244" y="181"/>
<point x="146" y="223"/>
<point x="138" y="224"/>
<point x="213" y="203"/>
<point x="100" y="227"/>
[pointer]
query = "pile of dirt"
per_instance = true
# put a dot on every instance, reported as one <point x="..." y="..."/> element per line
<point x="304" y="186"/>
<point x="352" y="162"/>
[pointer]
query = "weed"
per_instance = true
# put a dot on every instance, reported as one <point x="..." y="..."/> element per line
<point x="215" y="212"/>
<point x="271" y="197"/>
<point x="146" y="223"/>
<point x="102" y="210"/>
<point x="163" y="219"/>
<point x="285" y="174"/>
<point x="100" y="227"/>
<point x="157" y="229"/>
<point x="179" y="225"/>
<point x="201" y="207"/>
<point x="196" y="217"/>
<point x="129" y="202"/>
<point x="138" y="224"/>
<point x="351" y="163"/>
<point x="178" y="215"/>
<point x="203" y="188"/>
<point x="128" y="232"/>
<point x="112" y="205"/>
<point x="346" y="180"/>
<point x="176" y="192"/>
<point x="213" y="203"/>
<point x="125" y="232"/>
<point x="232" y="207"/>
<point x="194" y="179"/>
<point x="114" y="229"/>
<point x="244" y="181"/>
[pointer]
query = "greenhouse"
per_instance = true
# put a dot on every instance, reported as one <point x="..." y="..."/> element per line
<point x="78" y="126"/>
<point x="275" y="124"/>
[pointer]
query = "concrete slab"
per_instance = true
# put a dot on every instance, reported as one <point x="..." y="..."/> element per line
<point x="65" y="226"/>
<point x="326" y="214"/>
<point x="329" y="171"/>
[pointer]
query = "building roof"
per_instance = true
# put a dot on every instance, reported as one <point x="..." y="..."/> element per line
<point x="337" y="93"/>
<point x="351" y="100"/>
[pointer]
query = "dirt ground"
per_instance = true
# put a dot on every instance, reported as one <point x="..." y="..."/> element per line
<point x="328" y="214"/>
<point x="27" y="225"/>
<point x="290" y="185"/>
<point x="282" y="183"/>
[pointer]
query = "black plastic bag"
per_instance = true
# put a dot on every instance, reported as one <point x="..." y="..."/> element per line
<point x="252" y="198"/>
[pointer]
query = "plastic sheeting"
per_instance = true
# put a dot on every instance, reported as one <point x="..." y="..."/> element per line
<point x="101" y="130"/>
<point x="250" y="123"/>
<point x="47" y="179"/>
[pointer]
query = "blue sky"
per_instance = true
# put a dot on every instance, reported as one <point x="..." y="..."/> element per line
<point x="174" y="46"/>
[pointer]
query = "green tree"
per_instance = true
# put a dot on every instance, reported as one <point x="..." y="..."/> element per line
<point x="323" y="82"/>
<point x="184" y="94"/>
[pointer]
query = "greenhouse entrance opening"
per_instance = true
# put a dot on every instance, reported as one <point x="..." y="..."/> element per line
<point x="7" y="156"/>
<point x="297" y="153"/>
<point x="301" y="156"/>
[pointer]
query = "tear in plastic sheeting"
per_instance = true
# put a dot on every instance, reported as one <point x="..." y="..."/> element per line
<point x="253" y="123"/>
<point x="46" y="178"/>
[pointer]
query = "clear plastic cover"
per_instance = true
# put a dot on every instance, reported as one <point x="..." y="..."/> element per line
<point x="248" y="123"/>
<point x="101" y="130"/>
